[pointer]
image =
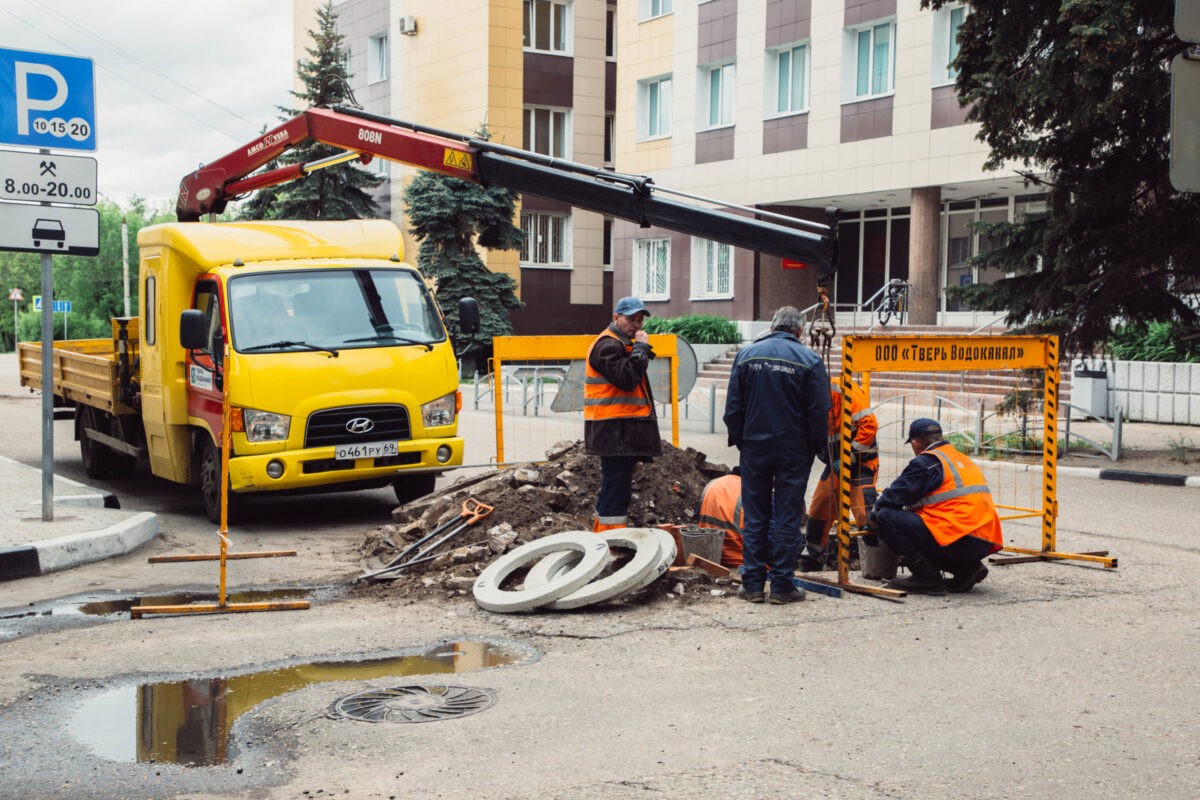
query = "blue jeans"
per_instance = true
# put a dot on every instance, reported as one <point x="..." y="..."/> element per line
<point x="773" y="484"/>
<point x="616" y="485"/>
<point x="905" y="533"/>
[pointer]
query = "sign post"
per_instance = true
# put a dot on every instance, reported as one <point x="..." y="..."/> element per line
<point x="47" y="100"/>
<point x="16" y="297"/>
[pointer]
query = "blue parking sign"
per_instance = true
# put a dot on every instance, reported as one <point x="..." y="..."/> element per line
<point x="47" y="100"/>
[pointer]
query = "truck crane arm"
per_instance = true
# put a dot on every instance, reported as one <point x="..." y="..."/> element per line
<point x="634" y="198"/>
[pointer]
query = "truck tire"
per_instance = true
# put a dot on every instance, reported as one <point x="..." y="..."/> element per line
<point x="210" y="485"/>
<point x="410" y="487"/>
<point x="97" y="459"/>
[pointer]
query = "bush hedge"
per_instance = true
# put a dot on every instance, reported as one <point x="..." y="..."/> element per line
<point x="696" y="328"/>
<point x="1157" y="341"/>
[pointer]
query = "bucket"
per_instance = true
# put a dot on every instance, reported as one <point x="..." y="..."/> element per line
<point x="878" y="562"/>
<point x="704" y="542"/>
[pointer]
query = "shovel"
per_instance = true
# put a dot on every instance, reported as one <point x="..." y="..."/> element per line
<point x="472" y="512"/>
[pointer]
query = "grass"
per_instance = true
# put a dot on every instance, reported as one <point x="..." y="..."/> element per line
<point x="1179" y="447"/>
<point x="1001" y="445"/>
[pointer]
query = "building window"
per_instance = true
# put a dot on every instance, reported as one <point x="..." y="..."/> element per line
<point x="610" y="137"/>
<point x="649" y="9"/>
<point x="546" y="23"/>
<point x="606" y="256"/>
<point x="651" y="268"/>
<point x="871" y="59"/>
<point x="717" y="96"/>
<point x="654" y="107"/>
<point x="712" y="269"/>
<point x="378" y="58"/>
<point x="547" y="131"/>
<point x="787" y="79"/>
<point x="610" y="32"/>
<point x="546" y="240"/>
<point x="946" y="23"/>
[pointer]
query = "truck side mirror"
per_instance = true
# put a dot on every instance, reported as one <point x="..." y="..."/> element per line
<point x="193" y="330"/>
<point x="468" y="315"/>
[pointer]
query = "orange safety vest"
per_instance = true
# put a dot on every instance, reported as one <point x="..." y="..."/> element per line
<point x="721" y="507"/>
<point x="604" y="400"/>
<point x="863" y="424"/>
<point x="962" y="505"/>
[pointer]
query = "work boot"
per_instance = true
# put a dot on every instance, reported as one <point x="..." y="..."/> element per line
<point x="751" y="596"/>
<point x="925" y="578"/>
<point x="811" y="563"/>
<point x="783" y="598"/>
<point x="812" y="559"/>
<point x="965" y="578"/>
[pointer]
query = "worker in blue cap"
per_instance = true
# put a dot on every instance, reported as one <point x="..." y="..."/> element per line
<point x="938" y="515"/>
<point x="619" y="423"/>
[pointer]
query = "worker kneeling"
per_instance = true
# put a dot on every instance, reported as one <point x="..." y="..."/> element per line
<point x="938" y="515"/>
<point x="721" y="507"/>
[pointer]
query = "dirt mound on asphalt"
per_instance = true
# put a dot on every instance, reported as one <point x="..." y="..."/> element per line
<point x="530" y="501"/>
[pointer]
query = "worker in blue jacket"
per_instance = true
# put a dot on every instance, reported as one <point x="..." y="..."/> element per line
<point x="776" y="412"/>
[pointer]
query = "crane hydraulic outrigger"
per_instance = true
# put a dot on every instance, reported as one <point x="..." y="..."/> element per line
<point x="630" y="197"/>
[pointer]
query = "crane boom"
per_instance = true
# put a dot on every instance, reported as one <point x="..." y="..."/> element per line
<point x="630" y="197"/>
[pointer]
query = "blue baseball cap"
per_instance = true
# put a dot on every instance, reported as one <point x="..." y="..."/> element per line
<point x="628" y="306"/>
<point x="922" y="427"/>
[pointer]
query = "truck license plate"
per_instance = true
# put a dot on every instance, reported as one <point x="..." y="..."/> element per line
<point x="365" y="450"/>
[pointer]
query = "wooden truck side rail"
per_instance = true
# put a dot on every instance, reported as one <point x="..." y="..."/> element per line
<point x="86" y="371"/>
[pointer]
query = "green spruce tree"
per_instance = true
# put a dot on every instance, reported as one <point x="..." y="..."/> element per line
<point x="338" y="192"/>
<point x="1076" y="94"/>
<point x="449" y="216"/>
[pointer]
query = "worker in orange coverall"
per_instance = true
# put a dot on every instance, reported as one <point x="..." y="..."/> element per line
<point x="721" y="507"/>
<point x="864" y="467"/>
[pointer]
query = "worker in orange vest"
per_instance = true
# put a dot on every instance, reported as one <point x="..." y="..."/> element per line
<point x="864" y="466"/>
<point x="619" y="423"/>
<point x="938" y="515"/>
<point x="721" y="507"/>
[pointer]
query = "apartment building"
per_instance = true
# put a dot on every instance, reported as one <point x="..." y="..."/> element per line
<point x="788" y="106"/>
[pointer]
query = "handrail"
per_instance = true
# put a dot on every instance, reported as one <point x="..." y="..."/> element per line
<point x="988" y="324"/>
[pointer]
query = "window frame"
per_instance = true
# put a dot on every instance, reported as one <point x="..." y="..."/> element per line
<point x="647" y="88"/>
<point x="379" y="57"/>
<point x="528" y="139"/>
<point x="724" y="74"/>
<point x="774" y="72"/>
<point x="564" y="246"/>
<point x="560" y="28"/>
<point x="654" y="9"/>
<point x="945" y="46"/>
<point x="705" y="277"/>
<point x="851" y="61"/>
<point x="643" y="250"/>
<point x="610" y="32"/>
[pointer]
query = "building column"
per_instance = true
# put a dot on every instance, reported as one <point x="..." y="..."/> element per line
<point x="924" y="255"/>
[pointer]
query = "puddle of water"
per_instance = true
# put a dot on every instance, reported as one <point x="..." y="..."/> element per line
<point x="188" y="722"/>
<point x="92" y="606"/>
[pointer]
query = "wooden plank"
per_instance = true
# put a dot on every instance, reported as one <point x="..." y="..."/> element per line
<point x="711" y="567"/>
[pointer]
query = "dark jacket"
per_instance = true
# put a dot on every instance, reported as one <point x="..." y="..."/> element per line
<point x="923" y="475"/>
<point x="624" y="363"/>
<point x="778" y="395"/>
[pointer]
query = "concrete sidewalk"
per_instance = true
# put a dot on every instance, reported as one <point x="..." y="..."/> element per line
<point x="87" y="525"/>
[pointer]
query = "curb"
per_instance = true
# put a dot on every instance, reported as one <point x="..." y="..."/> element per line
<point x="1127" y="475"/>
<point x="64" y="552"/>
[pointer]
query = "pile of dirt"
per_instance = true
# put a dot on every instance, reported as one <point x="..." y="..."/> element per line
<point x="530" y="501"/>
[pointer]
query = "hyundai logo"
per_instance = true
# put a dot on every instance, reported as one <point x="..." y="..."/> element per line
<point x="360" y="425"/>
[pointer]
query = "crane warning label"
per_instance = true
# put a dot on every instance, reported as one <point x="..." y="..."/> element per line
<point x="457" y="160"/>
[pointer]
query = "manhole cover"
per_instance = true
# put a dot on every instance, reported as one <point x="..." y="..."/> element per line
<point x="414" y="703"/>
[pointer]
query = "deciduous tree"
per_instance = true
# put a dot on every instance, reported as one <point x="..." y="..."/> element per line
<point x="1075" y="94"/>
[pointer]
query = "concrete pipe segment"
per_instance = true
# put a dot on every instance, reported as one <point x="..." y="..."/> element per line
<point x="632" y="575"/>
<point x="489" y="595"/>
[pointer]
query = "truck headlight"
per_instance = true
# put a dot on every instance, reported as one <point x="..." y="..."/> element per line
<point x="265" y="426"/>
<point x="438" y="412"/>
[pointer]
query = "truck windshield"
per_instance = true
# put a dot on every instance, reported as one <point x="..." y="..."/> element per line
<point x="332" y="309"/>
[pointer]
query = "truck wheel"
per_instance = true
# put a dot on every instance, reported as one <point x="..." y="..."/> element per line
<point x="97" y="459"/>
<point x="210" y="485"/>
<point x="410" y="487"/>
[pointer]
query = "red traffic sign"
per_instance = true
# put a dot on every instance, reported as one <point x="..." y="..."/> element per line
<point x="15" y="294"/>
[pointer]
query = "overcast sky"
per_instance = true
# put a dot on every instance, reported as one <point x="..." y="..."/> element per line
<point x="177" y="84"/>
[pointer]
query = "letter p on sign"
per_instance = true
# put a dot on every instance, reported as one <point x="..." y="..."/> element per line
<point x="47" y="100"/>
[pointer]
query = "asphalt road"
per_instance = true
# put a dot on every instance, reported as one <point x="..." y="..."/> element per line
<point x="1051" y="680"/>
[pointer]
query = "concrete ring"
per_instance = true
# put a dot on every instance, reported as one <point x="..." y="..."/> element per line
<point x="489" y="595"/>
<point x="628" y="577"/>
<point x="667" y="553"/>
<point x="551" y="566"/>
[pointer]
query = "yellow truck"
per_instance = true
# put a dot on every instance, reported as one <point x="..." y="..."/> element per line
<point x="340" y="371"/>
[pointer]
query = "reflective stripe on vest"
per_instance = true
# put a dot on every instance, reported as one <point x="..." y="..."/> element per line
<point x="962" y="505"/>
<point x="602" y="399"/>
